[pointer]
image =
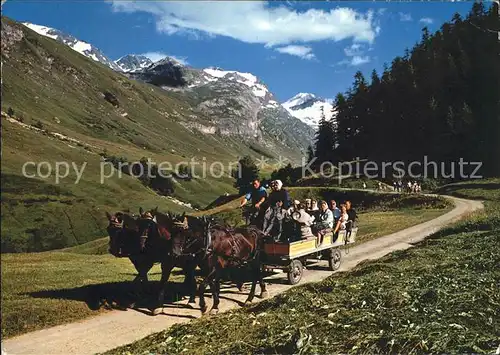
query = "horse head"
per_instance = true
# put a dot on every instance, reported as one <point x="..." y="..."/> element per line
<point x="148" y="227"/>
<point x="115" y="229"/>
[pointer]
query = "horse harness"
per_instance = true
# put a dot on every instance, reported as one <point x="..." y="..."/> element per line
<point x="185" y="246"/>
<point x="233" y="242"/>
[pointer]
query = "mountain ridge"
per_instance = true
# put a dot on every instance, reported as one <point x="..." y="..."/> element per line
<point x="140" y="67"/>
<point x="133" y="62"/>
<point x="82" y="47"/>
<point x="100" y="116"/>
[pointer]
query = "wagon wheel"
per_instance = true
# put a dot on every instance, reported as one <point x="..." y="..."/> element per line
<point x="295" y="272"/>
<point x="334" y="259"/>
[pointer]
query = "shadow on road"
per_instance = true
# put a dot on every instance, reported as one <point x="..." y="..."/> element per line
<point x="116" y="295"/>
<point x="123" y="296"/>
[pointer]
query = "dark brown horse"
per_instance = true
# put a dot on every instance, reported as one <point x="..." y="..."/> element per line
<point x="183" y="248"/>
<point x="230" y="249"/>
<point x="156" y="238"/>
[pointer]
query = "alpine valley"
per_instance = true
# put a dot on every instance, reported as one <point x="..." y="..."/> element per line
<point x="65" y="101"/>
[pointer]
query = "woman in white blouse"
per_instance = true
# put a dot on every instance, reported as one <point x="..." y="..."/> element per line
<point x="344" y="217"/>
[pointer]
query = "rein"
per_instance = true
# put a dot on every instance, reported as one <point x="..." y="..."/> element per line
<point x="235" y="249"/>
<point x="184" y="245"/>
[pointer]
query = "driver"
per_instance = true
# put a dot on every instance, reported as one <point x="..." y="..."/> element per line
<point x="257" y="196"/>
<point x="278" y="203"/>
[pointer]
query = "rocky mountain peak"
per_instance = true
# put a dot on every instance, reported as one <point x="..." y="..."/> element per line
<point x="133" y="62"/>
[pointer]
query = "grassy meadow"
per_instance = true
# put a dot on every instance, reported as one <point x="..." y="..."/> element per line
<point x="57" y="287"/>
<point x="438" y="297"/>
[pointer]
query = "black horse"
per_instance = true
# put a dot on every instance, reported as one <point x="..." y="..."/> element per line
<point x="183" y="248"/>
<point x="155" y="237"/>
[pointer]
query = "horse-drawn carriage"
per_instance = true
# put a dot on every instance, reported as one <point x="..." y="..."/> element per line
<point x="292" y="257"/>
<point x="188" y="242"/>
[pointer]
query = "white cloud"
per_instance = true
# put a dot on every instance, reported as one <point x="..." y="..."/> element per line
<point x="255" y="21"/>
<point x="299" y="51"/>
<point x="355" y="61"/>
<point x="156" y="56"/>
<point x="405" y="17"/>
<point x="353" y="49"/>
<point x="358" y="60"/>
<point x="426" y="20"/>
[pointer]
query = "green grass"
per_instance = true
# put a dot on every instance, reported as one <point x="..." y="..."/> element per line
<point x="51" y="288"/>
<point x="376" y="224"/>
<point x="64" y="286"/>
<point x="439" y="297"/>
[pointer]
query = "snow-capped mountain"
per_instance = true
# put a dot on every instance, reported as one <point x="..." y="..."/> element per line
<point x="133" y="62"/>
<point x="235" y="103"/>
<point x="238" y="103"/>
<point x="308" y="108"/>
<point x="247" y="79"/>
<point x="81" y="47"/>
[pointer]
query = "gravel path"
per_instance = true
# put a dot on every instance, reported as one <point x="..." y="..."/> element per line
<point x="116" y="328"/>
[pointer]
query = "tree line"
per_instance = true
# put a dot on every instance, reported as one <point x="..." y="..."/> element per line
<point x="441" y="99"/>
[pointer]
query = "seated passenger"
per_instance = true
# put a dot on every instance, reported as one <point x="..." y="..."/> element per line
<point x="278" y="203"/>
<point x="351" y="212"/>
<point x="307" y="206"/>
<point x="314" y="205"/>
<point x="335" y="210"/>
<point x="344" y="218"/>
<point x="324" y="222"/>
<point x="294" y="207"/>
<point x="304" y="220"/>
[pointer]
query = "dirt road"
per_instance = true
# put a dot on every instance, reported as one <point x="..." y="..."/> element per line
<point x="117" y="328"/>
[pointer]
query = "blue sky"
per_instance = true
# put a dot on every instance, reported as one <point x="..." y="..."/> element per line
<point x="291" y="46"/>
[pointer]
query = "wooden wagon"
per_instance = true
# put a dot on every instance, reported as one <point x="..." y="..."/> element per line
<point x="293" y="256"/>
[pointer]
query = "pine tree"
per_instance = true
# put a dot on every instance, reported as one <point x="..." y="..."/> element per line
<point x="310" y="153"/>
<point x="441" y="99"/>
<point x="325" y="140"/>
<point x="246" y="172"/>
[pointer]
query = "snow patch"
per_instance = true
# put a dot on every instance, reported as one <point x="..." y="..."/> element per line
<point x="81" y="47"/>
<point x="42" y="30"/>
<point x="259" y="90"/>
<point x="310" y="114"/>
<point x="247" y="79"/>
<point x="299" y="99"/>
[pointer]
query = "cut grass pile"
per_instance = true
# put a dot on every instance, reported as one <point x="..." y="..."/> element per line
<point x="439" y="297"/>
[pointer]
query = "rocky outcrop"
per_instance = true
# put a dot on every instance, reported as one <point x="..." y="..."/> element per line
<point x="11" y="34"/>
<point x="237" y="103"/>
<point x="111" y="98"/>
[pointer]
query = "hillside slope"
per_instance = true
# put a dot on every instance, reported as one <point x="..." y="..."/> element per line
<point x="64" y="107"/>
